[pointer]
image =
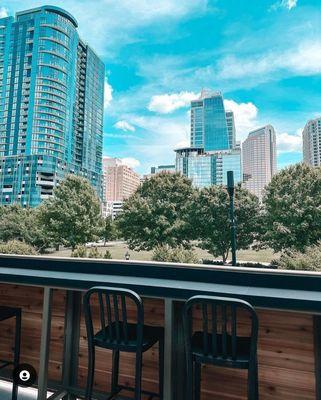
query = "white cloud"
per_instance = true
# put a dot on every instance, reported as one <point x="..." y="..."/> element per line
<point x="289" y="4"/>
<point x="110" y="24"/>
<point x="167" y="103"/>
<point x="287" y="143"/>
<point x="182" y="144"/>
<point x="245" y="116"/>
<point x="118" y="135"/>
<point x="108" y="93"/>
<point x="303" y="60"/>
<point x="130" y="162"/>
<point x="162" y="135"/>
<point x="3" y="12"/>
<point x="124" y="126"/>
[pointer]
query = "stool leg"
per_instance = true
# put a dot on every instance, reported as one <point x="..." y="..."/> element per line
<point x="91" y="372"/>
<point x="138" y="375"/>
<point x="115" y="372"/>
<point x="189" y="377"/>
<point x="161" y="368"/>
<point x="197" y="381"/>
<point x="253" y="384"/>
<point x="16" y="352"/>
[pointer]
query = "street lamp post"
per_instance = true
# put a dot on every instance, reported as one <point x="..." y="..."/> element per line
<point x="230" y="189"/>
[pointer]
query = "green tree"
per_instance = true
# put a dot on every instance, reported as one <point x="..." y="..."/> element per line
<point x="292" y="208"/>
<point x="72" y="214"/>
<point x="208" y="218"/>
<point x="109" y="229"/>
<point x="23" y="224"/>
<point x="154" y="214"/>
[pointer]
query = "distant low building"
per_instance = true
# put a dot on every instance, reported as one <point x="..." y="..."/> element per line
<point x="113" y="208"/>
<point x="207" y="169"/>
<point x="259" y="159"/>
<point x="170" y="168"/>
<point x="312" y="142"/>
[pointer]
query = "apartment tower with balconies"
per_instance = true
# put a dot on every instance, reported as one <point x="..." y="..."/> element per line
<point x="51" y="105"/>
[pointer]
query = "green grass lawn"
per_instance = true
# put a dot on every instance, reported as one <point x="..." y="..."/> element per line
<point x="118" y="251"/>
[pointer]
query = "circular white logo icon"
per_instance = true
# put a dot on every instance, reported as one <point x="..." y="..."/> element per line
<point x="24" y="375"/>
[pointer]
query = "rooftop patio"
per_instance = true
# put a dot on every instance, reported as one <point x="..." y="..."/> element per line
<point x="49" y="291"/>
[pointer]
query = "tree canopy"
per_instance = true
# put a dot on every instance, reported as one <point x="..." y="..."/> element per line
<point x="23" y="224"/>
<point x="154" y="215"/>
<point x="208" y="217"/>
<point x="292" y="203"/>
<point x="72" y="214"/>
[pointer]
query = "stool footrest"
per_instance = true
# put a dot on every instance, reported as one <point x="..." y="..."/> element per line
<point x="131" y="389"/>
<point x="5" y="363"/>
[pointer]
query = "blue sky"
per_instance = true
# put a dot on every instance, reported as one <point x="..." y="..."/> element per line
<point x="264" y="55"/>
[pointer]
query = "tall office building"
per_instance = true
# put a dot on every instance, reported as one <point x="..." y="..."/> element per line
<point x="213" y="149"/>
<point x="259" y="159"/>
<point x="312" y="142"/>
<point x="51" y="105"/>
<point x="120" y="182"/>
<point x="209" y="123"/>
<point x="231" y="129"/>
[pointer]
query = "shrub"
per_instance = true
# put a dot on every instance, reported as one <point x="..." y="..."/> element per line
<point x="107" y="255"/>
<point x="309" y="260"/>
<point x="174" y="254"/>
<point x="80" y="251"/>
<point x="17" y="247"/>
<point x="94" y="253"/>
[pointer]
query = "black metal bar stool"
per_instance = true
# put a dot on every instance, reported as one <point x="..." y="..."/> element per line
<point x="7" y="313"/>
<point x="218" y="343"/>
<point x="117" y="334"/>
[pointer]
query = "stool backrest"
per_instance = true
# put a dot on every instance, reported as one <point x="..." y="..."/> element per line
<point x="113" y="313"/>
<point x="219" y="318"/>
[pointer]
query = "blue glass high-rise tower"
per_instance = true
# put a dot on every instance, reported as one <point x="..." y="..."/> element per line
<point x="209" y="129"/>
<point x="51" y="105"/>
<point x="213" y="150"/>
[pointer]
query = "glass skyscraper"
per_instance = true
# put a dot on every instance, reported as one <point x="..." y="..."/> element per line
<point x="213" y="149"/>
<point x="231" y="129"/>
<point x="209" y="128"/>
<point x="51" y="105"/>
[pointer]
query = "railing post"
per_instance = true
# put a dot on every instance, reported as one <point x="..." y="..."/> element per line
<point x="174" y="377"/>
<point x="71" y="341"/>
<point x="317" y="354"/>
<point x="168" y="353"/>
<point x="45" y="343"/>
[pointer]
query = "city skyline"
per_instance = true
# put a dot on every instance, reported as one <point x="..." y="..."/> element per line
<point x="264" y="57"/>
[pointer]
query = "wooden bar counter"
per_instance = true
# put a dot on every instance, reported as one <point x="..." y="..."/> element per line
<point x="288" y="305"/>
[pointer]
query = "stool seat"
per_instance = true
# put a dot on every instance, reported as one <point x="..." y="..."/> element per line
<point x="243" y="346"/>
<point x="151" y="335"/>
<point x="8" y="312"/>
<point x="220" y="341"/>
